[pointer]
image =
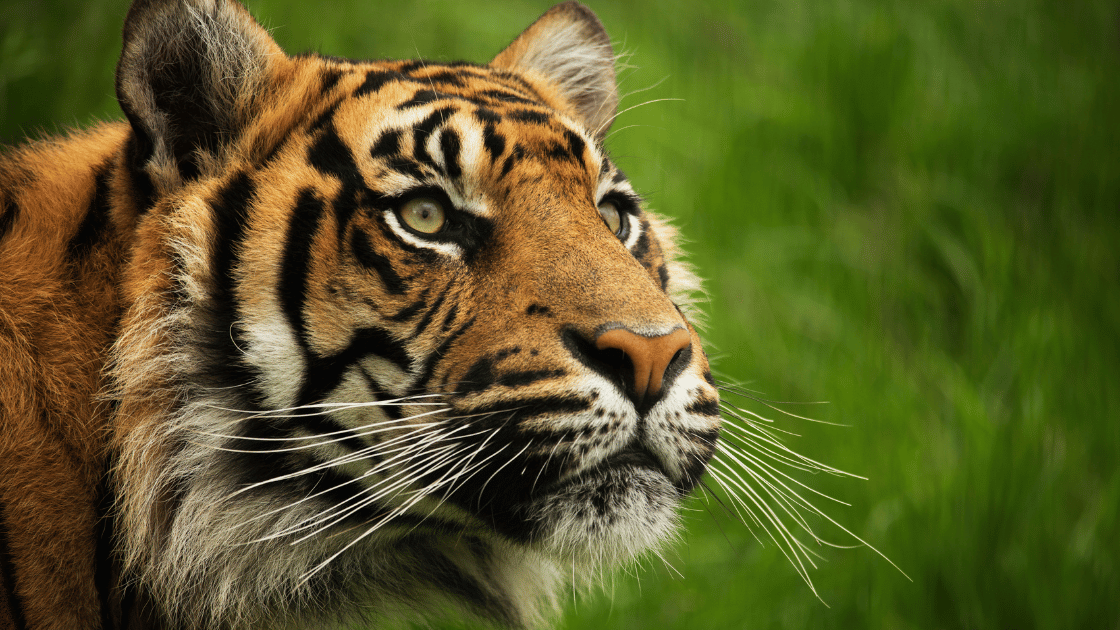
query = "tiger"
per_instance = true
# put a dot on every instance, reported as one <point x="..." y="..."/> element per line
<point x="307" y="341"/>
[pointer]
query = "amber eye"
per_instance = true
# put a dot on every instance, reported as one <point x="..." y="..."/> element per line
<point x="423" y="214"/>
<point x="610" y="214"/>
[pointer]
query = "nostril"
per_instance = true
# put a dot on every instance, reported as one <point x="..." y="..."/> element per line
<point x="676" y="357"/>
<point x="651" y="359"/>
<point x="614" y="359"/>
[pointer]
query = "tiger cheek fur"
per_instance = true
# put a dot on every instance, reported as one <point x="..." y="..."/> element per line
<point x="396" y="336"/>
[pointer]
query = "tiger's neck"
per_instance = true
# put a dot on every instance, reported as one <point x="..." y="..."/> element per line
<point x="63" y="244"/>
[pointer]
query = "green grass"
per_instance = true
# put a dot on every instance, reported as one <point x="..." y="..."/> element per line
<point x="910" y="210"/>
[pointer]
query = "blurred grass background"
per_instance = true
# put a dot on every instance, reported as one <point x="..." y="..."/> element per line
<point x="909" y="210"/>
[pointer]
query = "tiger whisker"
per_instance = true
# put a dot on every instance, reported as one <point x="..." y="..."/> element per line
<point x="467" y="470"/>
<point x="373" y="528"/>
<point x="743" y="435"/>
<point x="308" y="497"/>
<point x="655" y="85"/>
<point x="617" y="114"/>
<point x="325" y="520"/>
<point x="773" y="405"/>
<point x="543" y="466"/>
<point x="344" y="435"/>
<point x="483" y="489"/>
<point x="771" y="470"/>
<point x="403" y="400"/>
<point x="358" y="499"/>
<point x="358" y="455"/>
<point x="782" y="531"/>
<point x="761" y="445"/>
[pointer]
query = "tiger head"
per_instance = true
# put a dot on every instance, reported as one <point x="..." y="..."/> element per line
<point x="399" y="332"/>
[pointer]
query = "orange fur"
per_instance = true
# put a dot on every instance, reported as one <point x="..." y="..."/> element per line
<point x="170" y="281"/>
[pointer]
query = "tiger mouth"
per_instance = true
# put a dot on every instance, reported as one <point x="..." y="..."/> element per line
<point x="631" y="458"/>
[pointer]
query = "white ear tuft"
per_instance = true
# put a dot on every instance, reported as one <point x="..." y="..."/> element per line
<point x="568" y="47"/>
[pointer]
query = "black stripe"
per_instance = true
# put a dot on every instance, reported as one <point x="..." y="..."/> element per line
<point x="8" y="570"/>
<point x="430" y="313"/>
<point x="494" y="142"/>
<point x="532" y="406"/>
<point x="481" y="376"/>
<point x="137" y="152"/>
<point x="8" y="217"/>
<point x="527" y="377"/>
<point x="514" y="157"/>
<point x="412" y="309"/>
<point x="641" y="247"/>
<point x="92" y="228"/>
<point x="292" y="289"/>
<point x="325" y="118"/>
<point x="324" y="374"/>
<point x="376" y="79"/>
<point x="374" y="261"/>
<point x="576" y="145"/>
<point x="330" y="79"/>
<point x="388" y="145"/>
<point x="420" y="386"/>
<point x="704" y="407"/>
<point x="449" y="145"/>
<point x="423" y="130"/>
<point x="220" y="347"/>
<point x="408" y="67"/>
<point x="408" y="167"/>
<point x="424" y="97"/>
<point x="529" y="116"/>
<point x="449" y="578"/>
<point x="506" y="97"/>
<point x="448" y="77"/>
<point x="231" y="215"/>
<point x="487" y="115"/>
<point x="663" y="276"/>
<point x="330" y="156"/>
<point x="449" y="319"/>
<point x="559" y="151"/>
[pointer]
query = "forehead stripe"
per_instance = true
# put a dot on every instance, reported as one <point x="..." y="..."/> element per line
<point x="529" y="116"/>
<point x="449" y="145"/>
<point x="423" y="97"/>
<point x="387" y="146"/>
<point x="376" y="79"/>
<point x="494" y="142"/>
<point x="424" y="130"/>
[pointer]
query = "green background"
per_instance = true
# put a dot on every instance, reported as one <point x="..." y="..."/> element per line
<point x="908" y="209"/>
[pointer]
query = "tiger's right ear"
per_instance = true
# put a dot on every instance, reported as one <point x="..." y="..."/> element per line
<point x="187" y="79"/>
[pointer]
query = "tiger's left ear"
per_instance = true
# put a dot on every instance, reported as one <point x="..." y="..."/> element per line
<point x="569" y="48"/>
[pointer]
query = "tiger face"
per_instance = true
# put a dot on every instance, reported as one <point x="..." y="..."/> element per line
<point x="396" y="331"/>
<point x="456" y="244"/>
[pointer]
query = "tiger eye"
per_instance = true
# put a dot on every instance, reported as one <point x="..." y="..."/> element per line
<point x="423" y="214"/>
<point x="610" y="214"/>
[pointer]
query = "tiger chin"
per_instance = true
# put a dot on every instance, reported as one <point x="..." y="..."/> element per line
<point x="307" y="341"/>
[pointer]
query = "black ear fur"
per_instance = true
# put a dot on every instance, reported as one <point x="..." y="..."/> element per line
<point x="186" y="80"/>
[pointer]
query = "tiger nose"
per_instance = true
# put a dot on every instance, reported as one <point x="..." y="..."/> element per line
<point x="650" y="357"/>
